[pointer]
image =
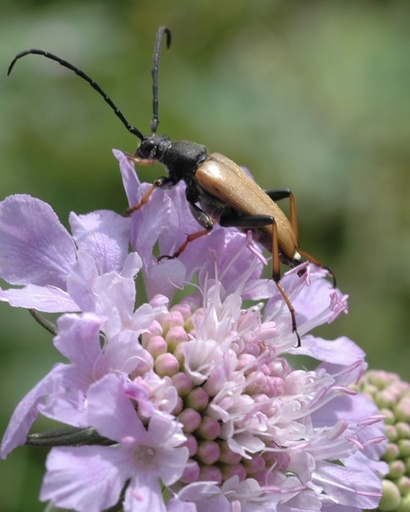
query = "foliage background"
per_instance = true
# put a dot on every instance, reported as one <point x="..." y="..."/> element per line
<point x="310" y="95"/>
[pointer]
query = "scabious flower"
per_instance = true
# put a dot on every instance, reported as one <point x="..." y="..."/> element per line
<point x="196" y="403"/>
<point x="392" y="395"/>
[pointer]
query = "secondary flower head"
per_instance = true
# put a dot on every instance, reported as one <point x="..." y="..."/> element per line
<point x="392" y="395"/>
<point x="197" y="396"/>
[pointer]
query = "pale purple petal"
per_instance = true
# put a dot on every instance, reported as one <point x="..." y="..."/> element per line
<point x="35" y="248"/>
<point x="163" y="434"/>
<point x="116" y="300"/>
<point x="129" y="176"/>
<point x="165" y="278"/>
<point x="144" y="494"/>
<point x="67" y="402"/>
<point x="109" y="295"/>
<point x="42" y="298"/>
<point x="111" y="411"/>
<point x="87" y="478"/>
<point x="150" y="221"/>
<point x="142" y="318"/>
<point x="341" y="351"/>
<point x="27" y="411"/>
<point x="207" y="496"/>
<point x="180" y="222"/>
<point x="226" y="256"/>
<point x="353" y="487"/>
<point x="78" y="340"/>
<point x="175" y="505"/>
<point x="359" y="411"/>
<point x="124" y="353"/>
<point x="132" y="265"/>
<point x="82" y="282"/>
<point x="105" y="236"/>
<point x="318" y="302"/>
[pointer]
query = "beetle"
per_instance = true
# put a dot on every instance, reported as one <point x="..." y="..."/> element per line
<point x="217" y="189"/>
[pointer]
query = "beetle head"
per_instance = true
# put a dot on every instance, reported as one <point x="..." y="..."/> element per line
<point x="153" y="148"/>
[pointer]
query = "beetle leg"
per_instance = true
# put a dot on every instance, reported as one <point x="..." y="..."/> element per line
<point x="159" y="183"/>
<point x="283" y="193"/>
<point x="246" y="221"/>
<point x="254" y="221"/>
<point x="276" y="277"/>
<point x="189" y="238"/>
<point x="291" y="311"/>
<point x="202" y="218"/>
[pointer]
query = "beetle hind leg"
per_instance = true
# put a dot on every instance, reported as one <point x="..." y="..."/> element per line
<point x="257" y="221"/>
<point x="291" y="311"/>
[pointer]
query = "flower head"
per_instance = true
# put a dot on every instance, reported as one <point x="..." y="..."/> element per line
<point x="196" y="396"/>
<point x="392" y="395"/>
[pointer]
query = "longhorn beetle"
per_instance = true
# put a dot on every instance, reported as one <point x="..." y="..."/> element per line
<point x="217" y="189"/>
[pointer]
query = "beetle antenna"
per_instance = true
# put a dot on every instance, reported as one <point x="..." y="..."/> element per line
<point x="154" y="72"/>
<point x="132" y="129"/>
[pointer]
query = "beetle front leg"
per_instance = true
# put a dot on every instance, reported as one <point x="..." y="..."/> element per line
<point x="203" y="219"/>
<point x="190" y="238"/>
<point x="159" y="183"/>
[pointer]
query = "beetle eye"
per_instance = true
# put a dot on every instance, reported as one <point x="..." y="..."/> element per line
<point x="146" y="149"/>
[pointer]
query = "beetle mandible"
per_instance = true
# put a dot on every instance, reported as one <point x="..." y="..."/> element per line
<point x="217" y="189"/>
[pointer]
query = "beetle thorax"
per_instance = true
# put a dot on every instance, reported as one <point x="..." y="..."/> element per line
<point x="182" y="159"/>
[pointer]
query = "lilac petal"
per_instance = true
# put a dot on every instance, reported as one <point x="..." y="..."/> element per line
<point x="67" y="403"/>
<point x="109" y="295"/>
<point x="319" y="297"/>
<point x="176" y="505"/>
<point x="129" y="176"/>
<point x="27" y="410"/>
<point x="142" y="318"/>
<point x="353" y="486"/>
<point x="162" y="433"/>
<point x="34" y="246"/>
<point x="81" y="282"/>
<point x="111" y="412"/>
<point x="124" y="353"/>
<point x="132" y="265"/>
<point x="144" y="494"/>
<point x="180" y="222"/>
<point x="165" y="277"/>
<point x="148" y="222"/>
<point x="357" y="410"/>
<point x="87" y="478"/>
<point x="42" y="298"/>
<point x="340" y="508"/>
<point x="79" y="341"/>
<point x="227" y="257"/>
<point x="341" y="351"/>
<point x="165" y="217"/>
<point x="116" y="299"/>
<point x="105" y="236"/>
<point x="207" y="495"/>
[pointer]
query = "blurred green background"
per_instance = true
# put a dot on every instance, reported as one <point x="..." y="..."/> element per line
<point x="310" y="95"/>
